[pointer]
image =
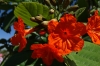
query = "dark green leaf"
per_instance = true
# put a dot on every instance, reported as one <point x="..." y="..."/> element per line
<point x="39" y="62"/>
<point x="3" y="41"/>
<point x="44" y="39"/>
<point x="6" y="7"/>
<point x="18" y="58"/>
<point x="65" y="3"/>
<point x="79" y="12"/>
<point x="56" y="63"/>
<point x="31" y="61"/>
<point x="1" y="47"/>
<point x="69" y="62"/>
<point x="8" y="22"/>
<point x="84" y="16"/>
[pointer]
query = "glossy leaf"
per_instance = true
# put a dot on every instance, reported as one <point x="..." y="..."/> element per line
<point x="31" y="9"/>
<point x="88" y="56"/>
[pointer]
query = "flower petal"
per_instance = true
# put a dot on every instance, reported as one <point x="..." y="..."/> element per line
<point x="28" y="31"/>
<point x="53" y="38"/>
<point x="22" y="43"/>
<point x="47" y="52"/>
<point x="93" y="28"/>
<point x="94" y="36"/>
<point x="80" y="29"/>
<point x="68" y="18"/>
<point x="36" y="46"/>
<point x="15" y="39"/>
<point x="76" y="43"/>
<point x="52" y="25"/>
<point x="19" y="25"/>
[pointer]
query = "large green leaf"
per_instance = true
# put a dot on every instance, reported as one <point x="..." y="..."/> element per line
<point x="31" y="9"/>
<point x="88" y="56"/>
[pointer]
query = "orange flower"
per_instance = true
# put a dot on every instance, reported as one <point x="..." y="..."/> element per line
<point x="67" y="33"/>
<point x="52" y="25"/>
<point x="19" y="26"/>
<point x="93" y="28"/>
<point x="47" y="52"/>
<point x="19" y="38"/>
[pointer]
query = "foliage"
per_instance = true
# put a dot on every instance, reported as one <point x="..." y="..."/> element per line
<point x="35" y="14"/>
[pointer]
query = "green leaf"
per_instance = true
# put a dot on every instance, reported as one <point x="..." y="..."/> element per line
<point x="22" y="64"/>
<point x="44" y="39"/>
<point x="3" y="41"/>
<point x="31" y="62"/>
<point x="84" y="16"/>
<point x="31" y="9"/>
<point x="8" y="22"/>
<point x="39" y="62"/>
<point x="18" y="58"/>
<point x="99" y="4"/>
<point x="79" y="12"/>
<point x="57" y="63"/>
<point x="86" y="38"/>
<point x="6" y="7"/>
<point x="88" y="56"/>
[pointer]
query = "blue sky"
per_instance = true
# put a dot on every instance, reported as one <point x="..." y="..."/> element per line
<point x="3" y="34"/>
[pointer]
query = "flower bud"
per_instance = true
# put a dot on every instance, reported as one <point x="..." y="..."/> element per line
<point x="33" y="19"/>
<point x="45" y="23"/>
<point x="54" y="20"/>
<point x="51" y="11"/>
<point x="39" y="18"/>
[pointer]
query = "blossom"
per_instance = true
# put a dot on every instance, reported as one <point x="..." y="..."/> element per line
<point x="93" y="28"/>
<point x="67" y="34"/>
<point x="20" y="27"/>
<point x="47" y="52"/>
<point x="52" y="24"/>
<point x="42" y="32"/>
<point x="19" y="38"/>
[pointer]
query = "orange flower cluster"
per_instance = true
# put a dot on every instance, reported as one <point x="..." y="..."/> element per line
<point x="47" y="52"/>
<point x="64" y="37"/>
<point x="19" y="38"/>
